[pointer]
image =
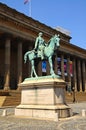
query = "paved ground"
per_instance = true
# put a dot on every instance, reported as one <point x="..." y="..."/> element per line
<point x="76" y="122"/>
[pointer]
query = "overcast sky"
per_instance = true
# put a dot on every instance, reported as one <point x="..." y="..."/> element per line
<point x="67" y="14"/>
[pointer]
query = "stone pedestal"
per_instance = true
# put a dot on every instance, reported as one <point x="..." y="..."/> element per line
<point x="43" y="98"/>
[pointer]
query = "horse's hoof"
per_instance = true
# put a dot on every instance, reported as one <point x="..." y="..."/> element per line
<point x="54" y="75"/>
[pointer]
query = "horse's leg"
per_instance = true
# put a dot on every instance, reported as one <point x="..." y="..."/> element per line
<point x="33" y="69"/>
<point x="35" y="73"/>
<point x="51" y="65"/>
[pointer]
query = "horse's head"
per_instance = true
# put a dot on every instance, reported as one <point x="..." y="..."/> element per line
<point x="56" y="40"/>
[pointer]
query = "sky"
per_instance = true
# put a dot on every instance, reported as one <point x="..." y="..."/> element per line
<point x="67" y="14"/>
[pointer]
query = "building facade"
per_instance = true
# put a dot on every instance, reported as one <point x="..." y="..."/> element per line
<point x="17" y="35"/>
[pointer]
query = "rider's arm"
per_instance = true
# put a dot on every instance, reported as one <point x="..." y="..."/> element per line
<point x="36" y="43"/>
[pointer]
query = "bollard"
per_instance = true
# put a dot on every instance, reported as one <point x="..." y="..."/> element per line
<point x="83" y="112"/>
<point x="4" y="112"/>
<point x="56" y="117"/>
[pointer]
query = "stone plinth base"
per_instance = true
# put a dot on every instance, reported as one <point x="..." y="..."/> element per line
<point x="43" y="98"/>
<point x="43" y="111"/>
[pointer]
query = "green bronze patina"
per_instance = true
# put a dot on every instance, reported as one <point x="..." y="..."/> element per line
<point x="42" y="50"/>
<point x="43" y="77"/>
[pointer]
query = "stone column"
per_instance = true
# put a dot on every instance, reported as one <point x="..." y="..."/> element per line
<point x="79" y="76"/>
<point x="7" y="64"/>
<point x="48" y="68"/>
<point x="39" y="68"/>
<point x="74" y="75"/>
<point x="83" y="75"/>
<point x="68" y="70"/>
<point x="29" y="64"/>
<point x="19" y="63"/>
<point x="56" y="65"/>
<point x="62" y="66"/>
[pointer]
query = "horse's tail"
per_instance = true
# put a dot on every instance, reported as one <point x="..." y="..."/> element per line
<point x="27" y="55"/>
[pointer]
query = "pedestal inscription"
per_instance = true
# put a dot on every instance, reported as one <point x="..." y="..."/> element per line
<point x="38" y="96"/>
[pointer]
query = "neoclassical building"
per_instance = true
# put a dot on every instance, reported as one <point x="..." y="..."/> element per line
<point x="17" y="35"/>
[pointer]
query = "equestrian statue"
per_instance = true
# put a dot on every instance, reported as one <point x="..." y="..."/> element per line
<point x="42" y="50"/>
